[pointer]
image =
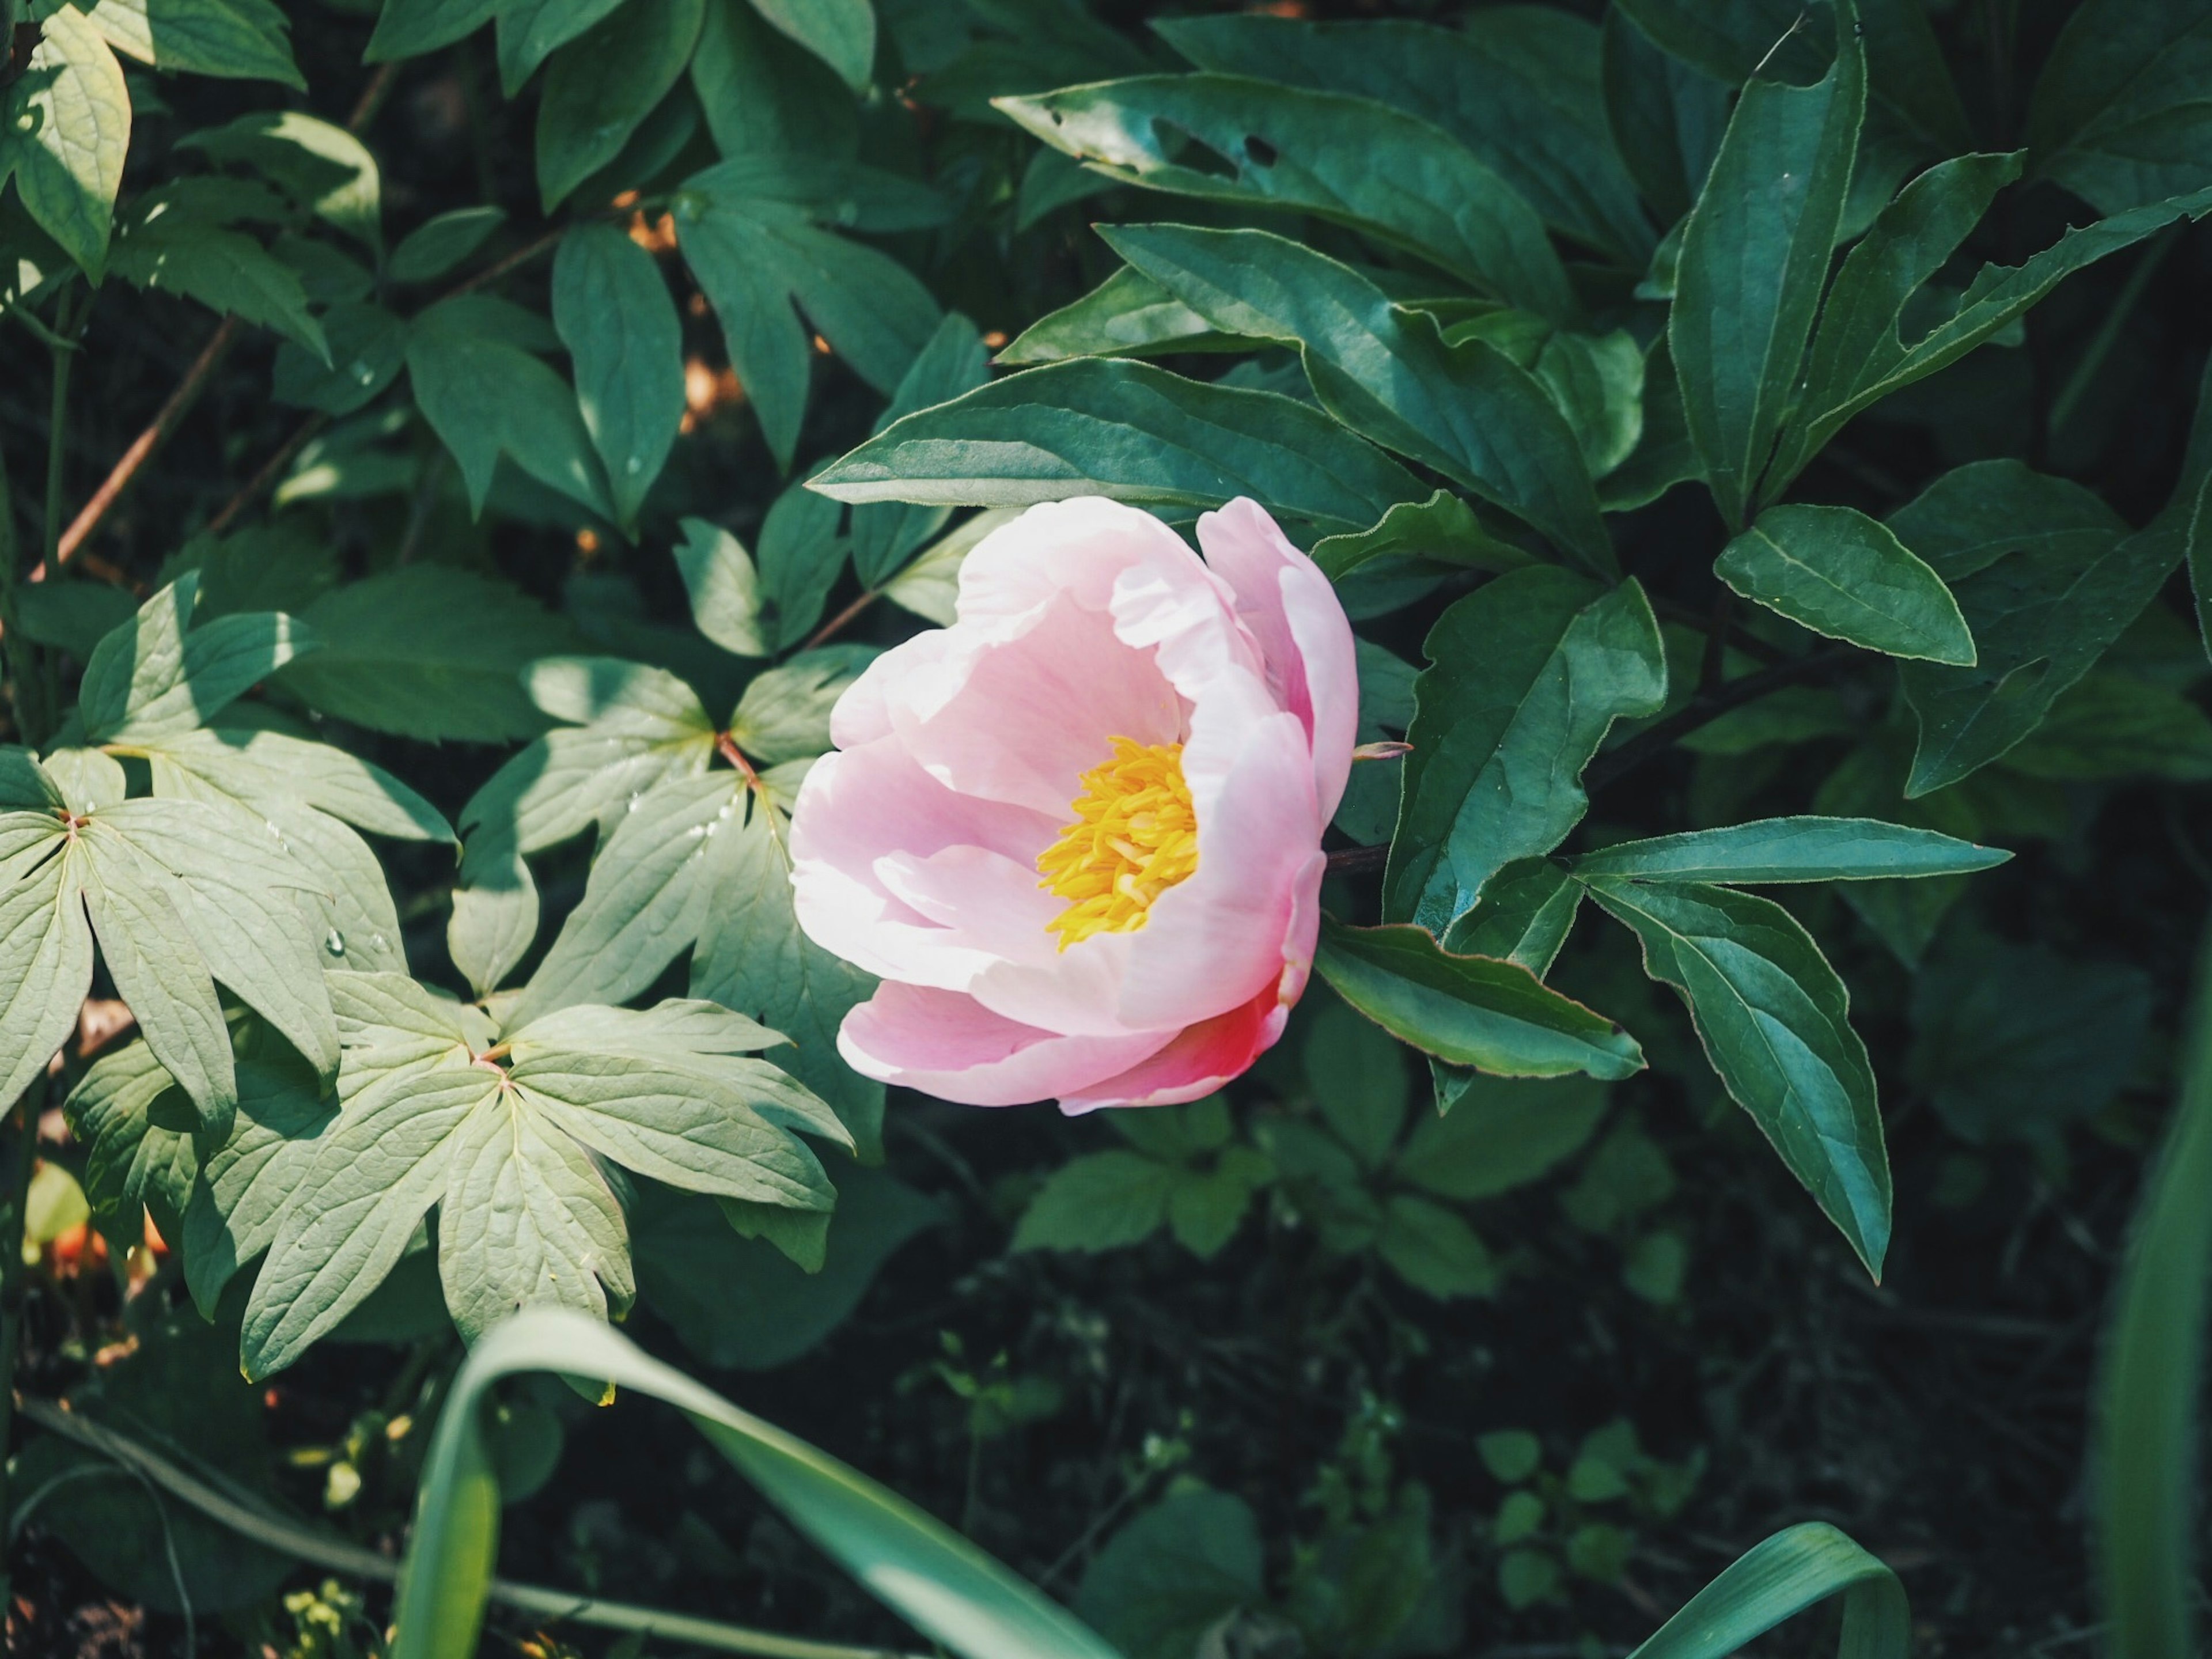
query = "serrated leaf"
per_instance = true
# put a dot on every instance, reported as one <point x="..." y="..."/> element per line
<point x="601" y="86"/>
<point x="1527" y="675"/>
<point x="2046" y="577"/>
<point x="1755" y="255"/>
<point x="427" y="651"/>
<point x="1837" y="572"/>
<point x="1465" y="409"/>
<point x="1390" y="175"/>
<point x="1791" y="849"/>
<point x="1772" y="1016"/>
<point x="486" y="399"/>
<point x="1518" y="86"/>
<point x="614" y="312"/>
<point x="1130" y="432"/>
<point x="225" y="270"/>
<point x="752" y="956"/>
<point x="1469" y="1010"/>
<point x="65" y="129"/>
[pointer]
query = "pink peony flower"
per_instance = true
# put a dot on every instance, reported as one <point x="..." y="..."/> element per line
<point x="1078" y="833"/>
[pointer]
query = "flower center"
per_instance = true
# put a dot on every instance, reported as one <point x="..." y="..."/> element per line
<point x="1134" y="836"/>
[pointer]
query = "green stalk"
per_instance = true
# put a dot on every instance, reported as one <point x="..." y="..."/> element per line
<point x="2147" y="1411"/>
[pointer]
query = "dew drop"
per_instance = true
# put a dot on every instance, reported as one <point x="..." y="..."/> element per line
<point x="378" y="941"/>
<point x="633" y="466"/>
<point x="334" y="942"/>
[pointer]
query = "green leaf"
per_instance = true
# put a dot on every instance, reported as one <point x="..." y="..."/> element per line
<point x="1357" y="1075"/>
<point x="46" y="949"/>
<point x="1205" y="1208"/>
<point x="224" y="270"/>
<point x="1391" y="175"/>
<point x="1100" y="1201"/>
<point x="72" y="617"/>
<point x="87" y="779"/>
<point x="784" y="715"/>
<point x="948" y="1588"/>
<point x="1443" y="529"/>
<point x="1595" y="381"/>
<point x="1432" y="1249"/>
<point x="752" y="956"/>
<point x="322" y="167"/>
<point x="253" y="767"/>
<point x="2118" y="115"/>
<point x="763" y="93"/>
<point x="749" y="229"/>
<point x="1176" y="1572"/>
<point x="1841" y="574"/>
<point x="930" y="585"/>
<point x="885" y="535"/>
<point x="408" y="28"/>
<point x="1128" y="315"/>
<point x="1464" y="410"/>
<point x="368" y="348"/>
<point x="433" y="248"/>
<point x="531" y="31"/>
<point x="2046" y="577"/>
<point x="242" y="39"/>
<point x="801" y="556"/>
<point x="1501" y="1134"/>
<point x="138" y="1157"/>
<point x="65" y="127"/>
<point x="158" y="676"/>
<point x="1791" y="849"/>
<point x="2115" y="725"/>
<point x="740" y="1304"/>
<point x="726" y="601"/>
<point x="1129" y="432"/>
<point x="620" y="326"/>
<point x="238" y="1202"/>
<point x="427" y="651"/>
<point x="1665" y="116"/>
<point x="1517" y="86"/>
<point x="1525" y="913"/>
<point x="1754" y="256"/>
<point x="1779" y="1578"/>
<point x="1527" y="675"/>
<point x="1471" y="1010"/>
<point x="1510" y="1455"/>
<point x="1864" y="360"/>
<point x="1772" y="1017"/>
<point x="840" y="32"/>
<point x="640" y="907"/>
<point x="602" y="85"/>
<point x="236" y="892"/>
<point x="487" y="399"/>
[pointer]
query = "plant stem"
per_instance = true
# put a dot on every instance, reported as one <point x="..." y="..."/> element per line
<point x="837" y="624"/>
<point x="291" y="1538"/>
<point x="63" y="353"/>
<point x="2108" y="332"/>
<point x="23" y="1124"/>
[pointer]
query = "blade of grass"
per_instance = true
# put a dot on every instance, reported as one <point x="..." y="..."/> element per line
<point x="1779" y="1578"/>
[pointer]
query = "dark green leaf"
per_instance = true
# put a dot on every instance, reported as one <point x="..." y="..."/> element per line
<point x="244" y="40"/>
<point x="1391" y="175"/>
<point x="2118" y="115"/>
<point x="1130" y="432"/>
<point x="136" y="1159"/>
<point x="884" y="535"/>
<point x="1517" y="86"/>
<point x="223" y="269"/>
<point x="2115" y="725"/>
<point x="1501" y="1134"/>
<point x="435" y="247"/>
<point x="1527" y="674"/>
<point x="2046" y="576"/>
<point x="1128" y="315"/>
<point x="1841" y="574"/>
<point x="1100" y="1201"/>
<point x="1772" y="1016"/>
<point x="763" y="93"/>
<point x="322" y="167"/>
<point x="1789" y="850"/>
<point x="726" y="601"/>
<point x="620" y="326"/>
<point x="1465" y="409"/>
<point x="1470" y="1010"/>
<point x="840" y="32"/>
<point x="408" y="28"/>
<point x="1432" y="1249"/>
<point x="1443" y="529"/>
<point x="531" y="31"/>
<point x="600" y="85"/>
<point x="1665" y="116"/>
<point x="1175" y="1573"/>
<point x="1754" y="257"/>
<point x="367" y="349"/>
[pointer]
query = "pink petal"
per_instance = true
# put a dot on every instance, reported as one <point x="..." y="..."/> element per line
<point x="1200" y="1060"/>
<point x="950" y="1046"/>
<point x="1077" y="548"/>
<point x="1291" y="609"/>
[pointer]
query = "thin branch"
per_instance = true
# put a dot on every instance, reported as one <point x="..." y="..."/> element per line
<point x="271" y="470"/>
<point x="514" y="261"/>
<point x="1709" y="706"/>
<point x="1353" y="861"/>
<point x="835" y="625"/>
<point x="291" y="1538"/>
<point x="143" y="446"/>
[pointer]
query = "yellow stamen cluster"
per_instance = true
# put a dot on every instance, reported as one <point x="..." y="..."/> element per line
<point x="1135" y="835"/>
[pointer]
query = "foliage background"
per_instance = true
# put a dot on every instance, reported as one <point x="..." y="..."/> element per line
<point x="1251" y="1296"/>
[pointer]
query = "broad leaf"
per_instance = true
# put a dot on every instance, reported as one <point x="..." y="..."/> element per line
<point x="2118" y="115"/>
<point x="1773" y="1017"/>
<point x="724" y="587"/>
<point x="531" y="31"/>
<point x="615" y="315"/>
<point x="321" y="166"/>
<point x="2046" y="577"/>
<point x="158" y="675"/>
<point x="601" y="86"/>
<point x="46" y="948"/>
<point x="408" y="28"/>
<point x="1501" y="1134"/>
<point x="1390" y="175"/>
<point x="885" y="535"/>
<point x="1465" y="409"/>
<point x="784" y="715"/>
<point x="169" y="246"/>
<point x="1127" y="431"/>
<point x="1754" y="258"/>
<point x="840" y="32"/>
<point x="137" y="1159"/>
<point x="1841" y="574"/>
<point x="1517" y="86"/>
<point x="1128" y="315"/>
<point x="241" y="39"/>
<point x="64" y="128"/>
<point x="1791" y="849"/>
<point x="1527" y="676"/>
<point x="1469" y="1010"/>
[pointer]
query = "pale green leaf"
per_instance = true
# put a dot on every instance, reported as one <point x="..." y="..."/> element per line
<point x="784" y="715"/>
<point x="45" y="960"/>
<point x="64" y="128"/>
<point x="725" y="598"/>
